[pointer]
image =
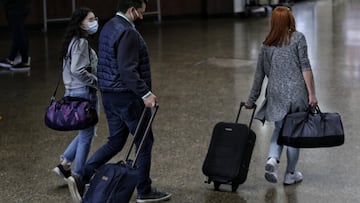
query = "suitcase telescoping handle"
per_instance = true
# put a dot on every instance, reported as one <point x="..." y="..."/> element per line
<point x="252" y="115"/>
<point x="137" y="131"/>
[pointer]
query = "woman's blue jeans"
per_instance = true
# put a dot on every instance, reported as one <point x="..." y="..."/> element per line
<point x="78" y="150"/>
<point x="275" y="149"/>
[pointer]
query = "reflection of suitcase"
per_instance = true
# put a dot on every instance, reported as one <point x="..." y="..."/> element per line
<point x="229" y="153"/>
<point x="116" y="182"/>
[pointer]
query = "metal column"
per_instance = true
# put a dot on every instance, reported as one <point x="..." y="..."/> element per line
<point x="158" y="11"/>
<point x="46" y="20"/>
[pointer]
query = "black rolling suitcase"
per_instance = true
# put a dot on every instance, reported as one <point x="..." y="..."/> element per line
<point x="116" y="182"/>
<point x="228" y="157"/>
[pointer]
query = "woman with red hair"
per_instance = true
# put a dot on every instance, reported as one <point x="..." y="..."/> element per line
<point x="283" y="59"/>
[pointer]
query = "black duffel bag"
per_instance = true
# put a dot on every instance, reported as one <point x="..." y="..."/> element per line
<point x="312" y="129"/>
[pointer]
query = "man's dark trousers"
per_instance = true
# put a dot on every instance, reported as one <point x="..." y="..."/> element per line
<point x="123" y="111"/>
<point x="20" y="43"/>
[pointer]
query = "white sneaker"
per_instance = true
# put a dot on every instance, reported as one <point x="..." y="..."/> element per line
<point x="6" y="63"/>
<point x="271" y="170"/>
<point x="293" y="178"/>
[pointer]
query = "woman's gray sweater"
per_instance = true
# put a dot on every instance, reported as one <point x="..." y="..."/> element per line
<point x="286" y="90"/>
<point x="80" y="65"/>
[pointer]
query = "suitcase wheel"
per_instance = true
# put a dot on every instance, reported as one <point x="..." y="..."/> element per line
<point x="234" y="187"/>
<point x="217" y="186"/>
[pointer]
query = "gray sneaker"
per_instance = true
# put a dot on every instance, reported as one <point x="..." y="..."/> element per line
<point x="271" y="170"/>
<point x="293" y="178"/>
<point x="22" y="66"/>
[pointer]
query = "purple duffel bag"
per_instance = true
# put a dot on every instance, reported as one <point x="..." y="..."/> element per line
<point x="70" y="113"/>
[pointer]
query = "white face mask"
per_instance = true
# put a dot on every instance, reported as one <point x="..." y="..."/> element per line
<point x="92" y="27"/>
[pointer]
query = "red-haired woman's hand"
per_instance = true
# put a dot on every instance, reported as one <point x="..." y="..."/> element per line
<point x="248" y="106"/>
<point x="313" y="100"/>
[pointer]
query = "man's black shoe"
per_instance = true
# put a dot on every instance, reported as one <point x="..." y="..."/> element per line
<point x="76" y="188"/>
<point x="153" y="196"/>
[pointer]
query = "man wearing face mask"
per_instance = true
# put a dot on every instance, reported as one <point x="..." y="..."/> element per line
<point x="80" y="80"/>
<point x="125" y="84"/>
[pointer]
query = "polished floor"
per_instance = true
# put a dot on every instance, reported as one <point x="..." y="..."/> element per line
<point x="201" y="69"/>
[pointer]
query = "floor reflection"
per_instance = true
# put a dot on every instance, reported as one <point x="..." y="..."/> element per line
<point x="271" y="195"/>
<point x="4" y="71"/>
<point x="218" y="197"/>
<point x="290" y="194"/>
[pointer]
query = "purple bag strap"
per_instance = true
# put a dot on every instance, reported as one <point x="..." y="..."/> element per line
<point x="58" y="82"/>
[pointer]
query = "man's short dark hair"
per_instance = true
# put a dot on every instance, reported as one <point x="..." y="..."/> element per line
<point x="124" y="5"/>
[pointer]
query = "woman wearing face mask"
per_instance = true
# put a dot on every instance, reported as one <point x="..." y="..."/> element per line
<point x="79" y="76"/>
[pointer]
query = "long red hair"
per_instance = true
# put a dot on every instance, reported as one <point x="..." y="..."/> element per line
<point x="282" y="26"/>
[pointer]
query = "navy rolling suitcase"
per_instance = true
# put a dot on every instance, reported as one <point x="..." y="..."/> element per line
<point x="229" y="154"/>
<point x="116" y="182"/>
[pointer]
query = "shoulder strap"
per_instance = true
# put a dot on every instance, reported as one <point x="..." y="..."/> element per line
<point x="68" y="55"/>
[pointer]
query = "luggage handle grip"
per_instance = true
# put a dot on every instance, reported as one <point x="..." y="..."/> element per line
<point x="252" y="115"/>
<point x="147" y="129"/>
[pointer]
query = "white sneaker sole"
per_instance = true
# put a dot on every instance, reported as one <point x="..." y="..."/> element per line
<point x="270" y="168"/>
<point x="5" y="65"/>
<point x="271" y="177"/>
<point x="166" y="198"/>
<point x="294" y="182"/>
<point x="271" y="173"/>
<point x="73" y="190"/>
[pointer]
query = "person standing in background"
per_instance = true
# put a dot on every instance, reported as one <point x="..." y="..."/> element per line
<point x="16" y="12"/>
<point x="80" y="80"/>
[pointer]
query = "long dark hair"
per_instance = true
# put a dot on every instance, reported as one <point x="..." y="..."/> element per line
<point x="73" y="29"/>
